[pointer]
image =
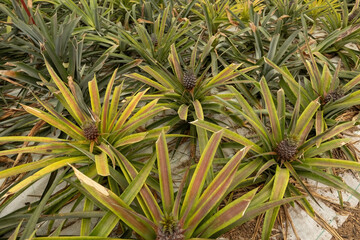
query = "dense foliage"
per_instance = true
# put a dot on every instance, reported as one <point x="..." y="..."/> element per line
<point x="99" y="98"/>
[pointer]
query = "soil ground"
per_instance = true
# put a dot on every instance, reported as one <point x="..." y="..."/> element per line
<point x="350" y="230"/>
<point x="243" y="232"/>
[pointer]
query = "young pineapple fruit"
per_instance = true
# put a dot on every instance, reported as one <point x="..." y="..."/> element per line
<point x="335" y="95"/>
<point x="189" y="80"/>
<point x="170" y="229"/>
<point x="91" y="132"/>
<point x="286" y="150"/>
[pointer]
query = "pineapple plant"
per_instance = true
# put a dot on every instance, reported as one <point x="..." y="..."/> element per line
<point x="179" y="220"/>
<point x="335" y="97"/>
<point x="184" y="50"/>
<point x="288" y="150"/>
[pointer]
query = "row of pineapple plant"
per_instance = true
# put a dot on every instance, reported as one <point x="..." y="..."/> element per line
<point x="101" y="95"/>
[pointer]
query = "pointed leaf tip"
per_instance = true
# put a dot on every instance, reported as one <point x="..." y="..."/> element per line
<point x="89" y="182"/>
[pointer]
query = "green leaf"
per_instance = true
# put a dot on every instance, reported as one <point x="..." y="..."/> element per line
<point x="264" y="194"/>
<point x="183" y="111"/>
<point x="86" y="222"/>
<point x="107" y="149"/>
<point x="14" y="235"/>
<point x="174" y="60"/>
<point x="337" y="130"/>
<point x="74" y="106"/>
<point x="223" y="175"/>
<point x="129" y="109"/>
<point x="228" y="134"/>
<point x="251" y="116"/>
<point x="226" y="216"/>
<point x="351" y="84"/>
<point x="343" y="103"/>
<point x="319" y="125"/>
<point x="51" y="148"/>
<point x="293" y="84"/>
<point x="198" y="110"/>
<point x="147" y="81"/>
<point x="214" y="192"/>
<point x="270" y="106"/>
<point x="150" y="205"/>
<point x="281" y="109"/>
<point x="255" y="210"/>
<point x="146" y="108"/>
<point x="206" y="50"/>
<point x="305" y="118"/>
<point x="178" y="198"/>
<point x="159" y="77"/>
<point x="265" y="167"/>
<point x="326" y="79"/>
<point x="31" y="139"/>
<point x="58" y="116"/>
<point x="325" y="178"/>
<point x="329" y="163"/>
<point x="166" y="184"/>
<point x="137" y="183"/>
<point x="102" y="166"/>
<point x="94" y="97"/>
<point x="115" y="103"/>
<point x="137" y="120"/>
<point x="317" y="150"/>
<point x="77" y="238"/>
<point x="105" y="121"/>
<point x="130" y="139"/>
<point x="289" y="166"/>
<point x="85" y="15"/>
<point x="332" y="132"/>
<point x="163" y="23"/>
<point x="138" y="223"/>
<point x="307" y="206"/>
<point x="32" y="166"/>
<point x="106" y="225"/>
<point x="281" y="180"/>
<point x="197" y="181"/>
<point x="31" y="224"/>
<point x="72" y="130"/>
<point x="41" y="173"/>
<point x="245" y="172"/>
<point x="202" y="139"/>
<point x="225" y="75"/>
